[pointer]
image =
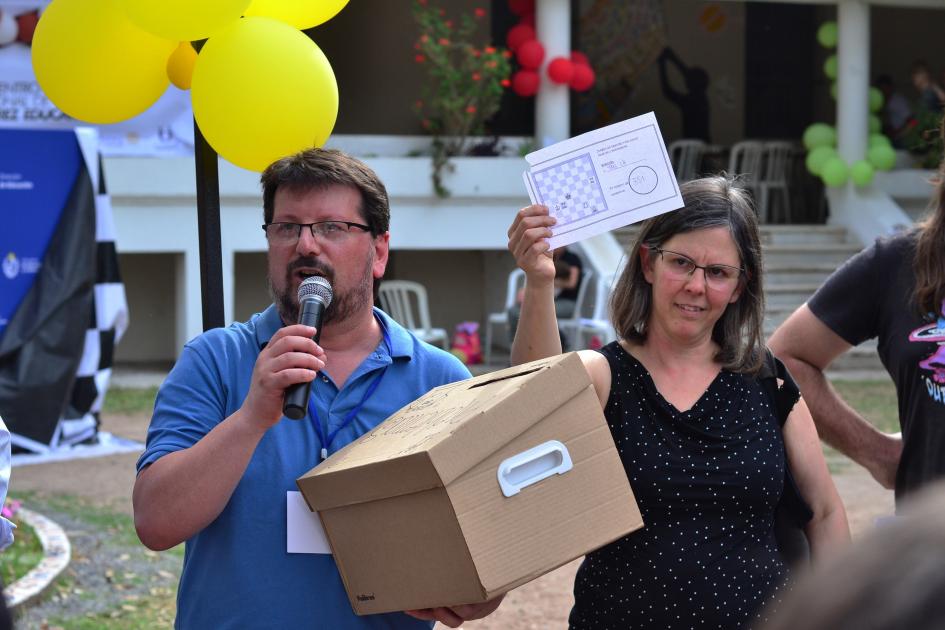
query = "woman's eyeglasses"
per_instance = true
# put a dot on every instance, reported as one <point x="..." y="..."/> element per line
<point x="681" y="266"/>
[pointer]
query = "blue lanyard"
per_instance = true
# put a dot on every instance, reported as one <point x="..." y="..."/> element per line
<point x="313" y="410"/>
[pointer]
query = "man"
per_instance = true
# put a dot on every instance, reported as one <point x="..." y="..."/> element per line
<point x="221" y="457"/>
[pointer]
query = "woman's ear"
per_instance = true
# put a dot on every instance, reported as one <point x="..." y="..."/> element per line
<point x="646" y="263"/>
<point x="737" y="293"/>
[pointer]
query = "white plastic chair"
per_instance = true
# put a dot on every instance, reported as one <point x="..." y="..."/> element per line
<point x="745" y="163"/>
<point x="571" y="327"/>
<point x="686" y="158"/>
<point x="516" y="280"/>
<point x="406" y="302"/>
<point x="775" y="175"/>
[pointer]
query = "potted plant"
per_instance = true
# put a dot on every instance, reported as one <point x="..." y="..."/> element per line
<point x="464" y="82"/>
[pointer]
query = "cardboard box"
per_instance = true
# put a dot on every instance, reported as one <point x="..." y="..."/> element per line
<point x="475" y="488"/>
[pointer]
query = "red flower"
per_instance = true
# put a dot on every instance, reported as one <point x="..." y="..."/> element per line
<point x="476" y="53"/>
<point x="505" y="83"/>
<point x="476" y="76"/>
<point x="425" y="123"/>
<point x="507" y="54"/>
<point x="448" y="23"/>
<point x="424" y="39"/>
<point x="490" y="64"/>
<point x="419" y="58"/>
<point x="444" y="42"/>
<point x="418" y="104"/>
<point x="471" y="109"/>
<point x="480" y="12"/>
<point x="489" y="50"/>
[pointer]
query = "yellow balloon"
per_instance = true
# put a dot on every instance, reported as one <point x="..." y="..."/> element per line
<point x="183" y="20"/>
<point x="301" y="14"/>
<point x="180" y="65"/>
<point x="263" y="90"/>
<point x="94" y="64"/>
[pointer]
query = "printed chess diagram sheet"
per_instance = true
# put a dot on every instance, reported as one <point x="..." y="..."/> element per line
<point x="603" y="179"/>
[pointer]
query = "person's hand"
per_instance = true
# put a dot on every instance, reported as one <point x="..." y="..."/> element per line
<point x="290" y="357"/>
<point x="455" y="616"/>
<point x="528" y="242"/>
<point x="884" y="465"/>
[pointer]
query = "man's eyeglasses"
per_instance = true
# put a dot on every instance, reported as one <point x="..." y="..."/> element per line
<point x="285" y="233"/>
<point x="681" y="266"/>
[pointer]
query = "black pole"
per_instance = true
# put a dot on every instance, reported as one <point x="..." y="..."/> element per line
<point x="208" y="231"/>
<point x="208" y="226"/>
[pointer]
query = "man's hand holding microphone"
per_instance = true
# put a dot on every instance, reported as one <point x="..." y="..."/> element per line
<point x="286" y="367"/>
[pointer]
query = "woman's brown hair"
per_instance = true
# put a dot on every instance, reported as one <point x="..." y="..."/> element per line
<point x="929" y="261"/>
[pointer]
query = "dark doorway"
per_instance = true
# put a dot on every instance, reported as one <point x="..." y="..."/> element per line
<point x="780" y="49"/>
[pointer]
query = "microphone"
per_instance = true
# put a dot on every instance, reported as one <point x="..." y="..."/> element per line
<point x="314" y="297"/>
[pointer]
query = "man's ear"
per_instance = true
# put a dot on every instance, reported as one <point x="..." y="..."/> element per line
<point x="381" y="254"/>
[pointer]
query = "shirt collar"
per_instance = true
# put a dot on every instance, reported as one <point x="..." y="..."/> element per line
<point x="269" y="321"/>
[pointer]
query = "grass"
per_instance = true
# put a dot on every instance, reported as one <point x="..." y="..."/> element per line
<point x="875" y="400"/>
<point x="122" y="400"/>
<point x="112" y="580"/>
<point x="27" y="552"/>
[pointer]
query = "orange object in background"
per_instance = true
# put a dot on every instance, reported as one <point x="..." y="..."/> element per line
<point x="713" y="18"/>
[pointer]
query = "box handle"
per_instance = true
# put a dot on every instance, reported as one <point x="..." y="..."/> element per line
<point x="531" y="466"/>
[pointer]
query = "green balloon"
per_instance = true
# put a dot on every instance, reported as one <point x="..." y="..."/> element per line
<point x="876" y="125"/>
<point x="876" y="100"/>
<point x="830" y="67"/>
<point x="877" y="139"/>
<point x="827" y="34"/>
<point x="835" y="172"/>
<point x="819" y="135"/>
<point x="882" y="157"/>
<point x="817" y="157"/>
<point x="862" y="173"/>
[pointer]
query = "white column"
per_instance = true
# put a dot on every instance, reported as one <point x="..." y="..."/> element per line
<point x="552" y="104"/>
<point x="189" y="311"/>
<point x="229" y="283"/>
<point x="853" y="80"/>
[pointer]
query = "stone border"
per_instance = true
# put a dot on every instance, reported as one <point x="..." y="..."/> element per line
<point x="56" y="555"/>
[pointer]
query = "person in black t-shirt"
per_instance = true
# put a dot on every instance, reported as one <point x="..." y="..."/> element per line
<point x="894" y="291"/>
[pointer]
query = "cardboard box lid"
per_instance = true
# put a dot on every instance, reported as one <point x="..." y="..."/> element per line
<point x="441" y="435"/>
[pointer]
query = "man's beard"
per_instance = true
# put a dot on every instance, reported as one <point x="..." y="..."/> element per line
<point x="344" y="304"/>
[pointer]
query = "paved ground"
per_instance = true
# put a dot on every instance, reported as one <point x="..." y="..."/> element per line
<point x="543" y="603"/>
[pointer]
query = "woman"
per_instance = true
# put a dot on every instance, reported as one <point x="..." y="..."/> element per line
<point x="893" y="291"/>
<point x="699" y="441"/>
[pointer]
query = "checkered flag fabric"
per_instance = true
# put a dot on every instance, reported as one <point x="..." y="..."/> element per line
<point x="108" y="319"/>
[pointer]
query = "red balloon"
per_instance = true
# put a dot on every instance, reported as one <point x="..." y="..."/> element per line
<point x="518" y="35"/>
<point x="525" y="83"/>
<point x="530" y="54"/>
<point x="583" y="78"/>
<point x="561" y="70"/>
<point x="521" y="7"/>
<point x="580" y="58"/>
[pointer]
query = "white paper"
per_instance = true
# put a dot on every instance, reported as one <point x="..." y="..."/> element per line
<point x="603" y="179"/>
<point x="304" y="533"/>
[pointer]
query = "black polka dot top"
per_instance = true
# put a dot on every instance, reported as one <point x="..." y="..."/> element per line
<point x="707" y="481"/>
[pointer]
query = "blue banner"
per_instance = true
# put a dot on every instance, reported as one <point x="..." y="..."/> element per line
<point x="38" y="170"/>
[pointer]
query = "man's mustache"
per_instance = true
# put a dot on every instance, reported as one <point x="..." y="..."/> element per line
<point x="312" y="264"/>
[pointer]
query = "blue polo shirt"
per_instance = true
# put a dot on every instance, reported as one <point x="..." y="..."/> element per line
<point x="237" y="573"/>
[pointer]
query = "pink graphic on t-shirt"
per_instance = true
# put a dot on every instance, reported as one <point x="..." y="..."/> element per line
<point x="934" y="333"/>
